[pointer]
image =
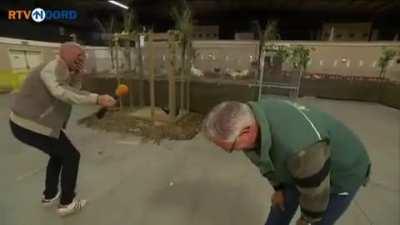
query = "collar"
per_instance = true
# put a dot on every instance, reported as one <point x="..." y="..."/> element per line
<point x="265" y="162"/>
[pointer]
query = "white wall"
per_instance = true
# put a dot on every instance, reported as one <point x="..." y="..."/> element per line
<point x="328" y="57"/>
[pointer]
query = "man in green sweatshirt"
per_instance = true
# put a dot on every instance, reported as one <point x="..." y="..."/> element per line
<point x="310" y="158"/>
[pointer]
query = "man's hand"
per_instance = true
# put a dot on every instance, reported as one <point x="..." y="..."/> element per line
<point x="278" y="199"/>
<point x="301" y="221"/>
<point x="106" y="100"/>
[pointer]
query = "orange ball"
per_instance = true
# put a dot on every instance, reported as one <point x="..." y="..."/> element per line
<point x="121" y="90"/>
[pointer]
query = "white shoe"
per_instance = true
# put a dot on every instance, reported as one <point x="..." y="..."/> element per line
<point x="75" y="206"/>
<point x="50" y="202"/>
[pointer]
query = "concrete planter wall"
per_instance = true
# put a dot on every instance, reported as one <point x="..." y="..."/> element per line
<point x="204" y="95"/>
<point x="341" y="89"/>
<point x="390" y="95"/>
<point x="384" y="92"/>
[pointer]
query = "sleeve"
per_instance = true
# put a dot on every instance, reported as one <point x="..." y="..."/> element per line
<point x="58" y="86"/>
<point x="310" y="169"/>
<point x="76" y="83"/>
<point x="271" y="177"/>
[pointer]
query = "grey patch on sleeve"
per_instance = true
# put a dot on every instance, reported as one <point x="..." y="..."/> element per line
<point x="309" y="161"/>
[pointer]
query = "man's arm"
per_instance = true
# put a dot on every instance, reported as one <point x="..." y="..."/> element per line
<point x="62" y="90"/>
<point x="271" y="177"/>
<point x="76" y="82"/>
<point x="310" y="169"/>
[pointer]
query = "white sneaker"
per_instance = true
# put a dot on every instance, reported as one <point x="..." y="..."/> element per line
<point x="75" y="206"/>
<point x="50" y="202"/>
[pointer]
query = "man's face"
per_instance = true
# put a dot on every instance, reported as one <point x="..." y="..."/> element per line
<point x="78" y="60"/>
<point x="245" y="141"/>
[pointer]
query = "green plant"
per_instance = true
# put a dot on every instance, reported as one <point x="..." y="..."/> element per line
<point x="130" y="28"/>
<point x="386" y="56"/>
<point x="182" y="16"/>
<point x="266" y="45"/>
<point x="299" y="57"/>
<point x="271" y="32"/>
<point x="282" y="52"/>
<point x="108" y="30"/>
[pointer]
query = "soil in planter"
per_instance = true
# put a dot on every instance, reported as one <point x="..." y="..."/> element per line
<point x="123" y="122"/>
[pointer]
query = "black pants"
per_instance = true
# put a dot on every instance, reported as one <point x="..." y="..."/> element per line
<point x="63" y="155"/>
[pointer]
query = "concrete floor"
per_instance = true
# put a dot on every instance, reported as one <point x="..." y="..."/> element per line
<point x="186" y="182"/>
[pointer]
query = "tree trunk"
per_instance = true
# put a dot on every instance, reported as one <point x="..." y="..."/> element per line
<point x="182" y="76"/>
<point x="298" y="83"/>
<point x="140" y="71"/>
<point x="151" y="70"/>
<point x="188" y="73"/>
<point x="127" y="53"/>
<point x="128" y="50"/>
<point x="111" y="48"/>
<point x="171" y="77"/>
<point x="117" y="69"/>
<point x="131" y="88"/>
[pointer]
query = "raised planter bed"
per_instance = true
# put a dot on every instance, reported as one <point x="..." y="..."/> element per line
<point x="390" y="94"/>
<point x="207" y="93"/>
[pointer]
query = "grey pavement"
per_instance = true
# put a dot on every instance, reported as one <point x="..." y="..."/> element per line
<point x="186" y="182"/>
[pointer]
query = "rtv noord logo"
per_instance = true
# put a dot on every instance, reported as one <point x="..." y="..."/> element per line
<point x="38" y="14"/>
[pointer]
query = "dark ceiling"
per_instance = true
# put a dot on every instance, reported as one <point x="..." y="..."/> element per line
<point x="231" y="15"/>
<point x="159" y="9"/>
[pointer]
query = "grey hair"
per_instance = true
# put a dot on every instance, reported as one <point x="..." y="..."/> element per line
<point x="226" y="120"/>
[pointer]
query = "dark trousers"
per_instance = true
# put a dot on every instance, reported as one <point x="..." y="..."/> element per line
<point x="63" y="155"/>
<point x="336" y="207"/>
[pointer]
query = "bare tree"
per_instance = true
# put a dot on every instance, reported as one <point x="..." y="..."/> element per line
<point x="182" y="15"/>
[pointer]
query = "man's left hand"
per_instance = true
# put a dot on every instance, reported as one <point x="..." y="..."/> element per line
<point x="301" y="221"/>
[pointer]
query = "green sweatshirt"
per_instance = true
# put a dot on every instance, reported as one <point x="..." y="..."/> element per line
<point x="308" y="148"/>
